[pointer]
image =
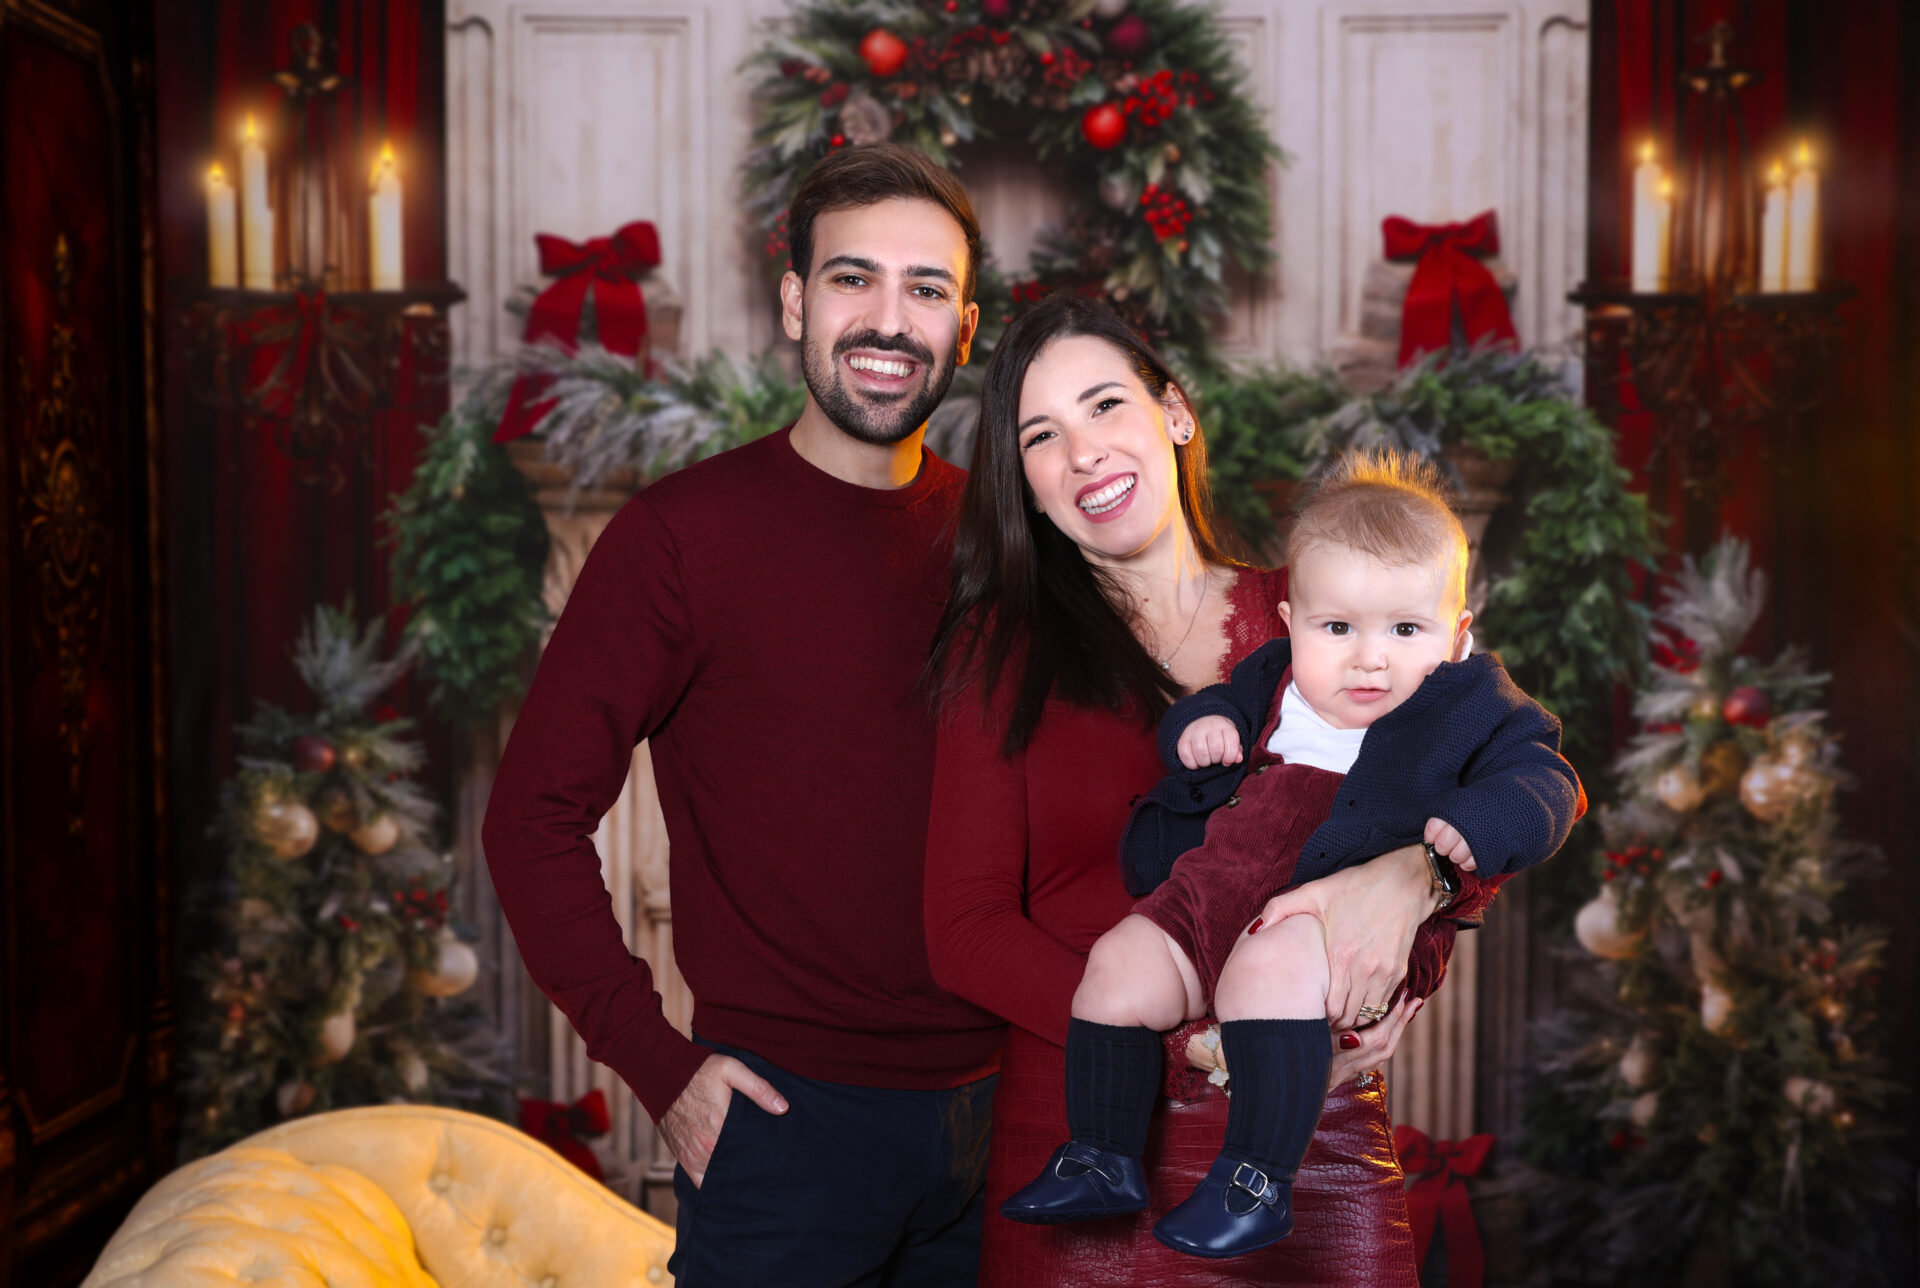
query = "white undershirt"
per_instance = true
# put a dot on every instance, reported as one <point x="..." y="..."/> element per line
<point x="1303" y="736"/>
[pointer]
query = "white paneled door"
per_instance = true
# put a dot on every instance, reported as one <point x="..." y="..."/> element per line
<point x="576" y="116"/>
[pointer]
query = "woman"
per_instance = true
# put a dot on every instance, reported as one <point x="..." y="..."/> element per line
<point x="1088" y="592"/>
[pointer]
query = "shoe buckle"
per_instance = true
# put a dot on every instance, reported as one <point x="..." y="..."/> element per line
<point x="1265" y="1194"/>
<point x="1086" y="1164"/>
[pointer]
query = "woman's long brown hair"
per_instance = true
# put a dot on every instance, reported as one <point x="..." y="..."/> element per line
<point x="1021" y="589"/>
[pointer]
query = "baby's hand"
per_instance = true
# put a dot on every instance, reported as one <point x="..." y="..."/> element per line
<point x="1210" y="740"/>
<point x="1444" y="837"/>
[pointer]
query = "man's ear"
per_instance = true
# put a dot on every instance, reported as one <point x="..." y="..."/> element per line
<point x="793" y="304"/>
<point x="969" y="327"/>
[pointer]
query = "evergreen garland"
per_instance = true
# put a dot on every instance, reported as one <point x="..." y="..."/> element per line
<point x="1179" y="190"/>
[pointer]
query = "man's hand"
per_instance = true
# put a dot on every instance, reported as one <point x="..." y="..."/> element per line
<point x="1370" y="914"/>
<point x="1210" y="740"/>
<point x="1445" y="838"/>
<point x="692" y="1124"/>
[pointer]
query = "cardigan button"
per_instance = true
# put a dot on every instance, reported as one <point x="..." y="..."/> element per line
<point x="1197" y="794"/>
<point x="1232" y="801"/>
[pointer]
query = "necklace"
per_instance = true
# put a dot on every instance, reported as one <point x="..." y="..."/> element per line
<point x="1166" y="663"/>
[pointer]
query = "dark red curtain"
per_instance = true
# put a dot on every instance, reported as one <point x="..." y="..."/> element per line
<point x="1833" y="514"/>
<point x="257" y="537"/>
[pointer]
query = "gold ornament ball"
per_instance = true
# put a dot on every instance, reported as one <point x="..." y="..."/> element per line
<point x="1598" y="928"/>
<point x="455" y="968"/>
<point x="294" y="1098"/>
<point x="1640" y="1063"/>
<point x="1643" y="1109"/>
<point x="287" y="828"/>
<point x="1831" y="1009"/>
<point x="1808" y="1095"/>
<point x="375" y="836"/>
<point x="1770" y="789"/>
<point x="1705" y="707"/>
<point x="354" y="757"/>
<point x="1716" y="1008"/>
<point x="336" y="810"/>
<point x="337" y="1033"/>
<point x="1720" y="768"/>
<point x="1680" y="789"/>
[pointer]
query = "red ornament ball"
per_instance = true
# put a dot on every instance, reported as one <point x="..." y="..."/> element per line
<point x="838" y="140"/>
<point x="312" y="755"/>
<point x="1746" y="705"/>
<point x="1130" y="37"/>
<point x="883" y="52"/>
<point x="953" y="6"/>
<point x="1104" y="126"/>
<point x="996" y="10"/>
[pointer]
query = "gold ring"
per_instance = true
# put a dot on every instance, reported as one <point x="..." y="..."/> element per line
<point x="1374" y="1013"/>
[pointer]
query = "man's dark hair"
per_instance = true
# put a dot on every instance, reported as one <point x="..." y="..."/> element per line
<point x="865" y="176"/>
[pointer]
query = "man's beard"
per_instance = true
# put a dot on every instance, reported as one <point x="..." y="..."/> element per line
<point x="882" y="420"/>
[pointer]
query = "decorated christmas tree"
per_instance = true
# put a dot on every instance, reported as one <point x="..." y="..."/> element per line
<point x="335" y="959"/>
<point x="1716" y="1117"/>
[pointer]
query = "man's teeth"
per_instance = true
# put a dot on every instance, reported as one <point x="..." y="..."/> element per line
<point x="1107" y="497"/>
<point x="879" y="367"/>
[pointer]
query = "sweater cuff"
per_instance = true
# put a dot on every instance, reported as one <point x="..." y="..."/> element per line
<point x="654" y="1060"/>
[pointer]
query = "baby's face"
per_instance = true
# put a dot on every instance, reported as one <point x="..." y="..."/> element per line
<point x="1366" y="633"/>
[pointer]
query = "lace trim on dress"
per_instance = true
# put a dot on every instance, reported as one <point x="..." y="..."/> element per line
<point x="1253" y="613"/>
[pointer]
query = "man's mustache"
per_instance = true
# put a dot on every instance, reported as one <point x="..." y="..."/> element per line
<point x="886" y="343"/>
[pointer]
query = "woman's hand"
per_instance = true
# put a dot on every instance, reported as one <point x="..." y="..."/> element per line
<point x="1370" y="913"/>
<point x="1372" y="1046"/>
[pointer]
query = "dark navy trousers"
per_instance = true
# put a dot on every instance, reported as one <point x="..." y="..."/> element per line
<point x="866" y="1186"/>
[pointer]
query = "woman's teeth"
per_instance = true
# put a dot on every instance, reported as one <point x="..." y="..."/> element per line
<point x="878" y="367"/>
<point x="1107" y="497"/>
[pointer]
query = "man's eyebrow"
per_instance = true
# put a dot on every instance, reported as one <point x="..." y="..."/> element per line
<point x="1031" y="421"/>
<point x="851" y="261"/>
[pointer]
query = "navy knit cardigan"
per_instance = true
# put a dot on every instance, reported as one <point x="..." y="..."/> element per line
<point x="1468" y="747"/>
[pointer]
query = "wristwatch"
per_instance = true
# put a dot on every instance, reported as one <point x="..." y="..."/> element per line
<point x="1446" y="878"/>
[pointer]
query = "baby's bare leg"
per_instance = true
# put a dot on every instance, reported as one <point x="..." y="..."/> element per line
<point x="1137" y="976"/>
<point x="1280" y="973"/>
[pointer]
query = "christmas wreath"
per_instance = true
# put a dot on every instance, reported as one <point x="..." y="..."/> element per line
<point x="1137" y="101"/>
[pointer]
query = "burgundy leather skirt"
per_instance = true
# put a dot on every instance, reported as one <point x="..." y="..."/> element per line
<point x="1350" y="1207"/>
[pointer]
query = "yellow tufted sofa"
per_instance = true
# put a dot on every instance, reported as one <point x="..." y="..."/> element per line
<point x="394" y="1196"/>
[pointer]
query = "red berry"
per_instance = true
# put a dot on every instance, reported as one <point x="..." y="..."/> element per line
<point x="838" y="140"/>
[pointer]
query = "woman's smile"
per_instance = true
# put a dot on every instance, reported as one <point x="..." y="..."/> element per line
<point x="1108" y="498"/>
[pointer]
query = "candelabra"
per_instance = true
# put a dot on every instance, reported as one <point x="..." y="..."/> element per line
<point x="1716" y="345"/>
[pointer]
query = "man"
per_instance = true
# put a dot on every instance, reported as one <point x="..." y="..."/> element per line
<point x="762" y="617"/>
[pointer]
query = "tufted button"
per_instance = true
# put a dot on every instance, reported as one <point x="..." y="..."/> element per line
<point x="655" y="1274"/>
<point x="497" y="1235"/>
<point x="440" y="1183"/>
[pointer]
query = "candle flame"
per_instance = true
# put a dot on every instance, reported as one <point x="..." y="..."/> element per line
<point x="1777" y="175"/>
<point x="1805" y="156"/>
<point x="249" y="136"/>
<point x="1646" y="150"/>
<point x="216" y="176"/>
<point x="385" y="161"/>
<point x="1666" y="187"/>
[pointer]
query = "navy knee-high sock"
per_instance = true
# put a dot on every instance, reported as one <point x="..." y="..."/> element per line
<point x="1113" y="1071"/>
<point x="1278" y="1076"/>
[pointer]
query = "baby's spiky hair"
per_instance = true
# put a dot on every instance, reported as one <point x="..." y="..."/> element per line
<point x="1390" y="505"/>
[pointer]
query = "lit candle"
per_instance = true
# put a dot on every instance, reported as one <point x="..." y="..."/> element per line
<point x="384" y="269"/>
<point x="223" y="241"/>
<point x="1803" y="223"/>
<point x="1663" y="233"/>
<point x="1647" y="242"/>
<point x="256" y="217"/>
<point x="1773" y="231"/>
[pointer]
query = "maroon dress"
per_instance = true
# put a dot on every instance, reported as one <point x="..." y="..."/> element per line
<point x="1022" y="877"/>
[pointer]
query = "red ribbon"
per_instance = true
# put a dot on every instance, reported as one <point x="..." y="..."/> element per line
<point x="608" y="266"/>
<point x="1448" y="275"/>
<point x="1434" y="1197"/>
<point x="561" y="1126"/>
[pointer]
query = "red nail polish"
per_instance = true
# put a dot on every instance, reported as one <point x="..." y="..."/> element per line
<point x="1349" y="1041"/>
<point x="1257" y="923"/>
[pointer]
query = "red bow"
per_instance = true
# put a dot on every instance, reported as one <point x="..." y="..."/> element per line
<point x="1448" y="274"/>
<point x="561" y="1126"/>
<point x="1434" y="1196"/>
<point x="608" y="267"/>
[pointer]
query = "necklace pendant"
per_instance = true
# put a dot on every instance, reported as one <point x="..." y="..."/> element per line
<point x="1167" y="665"/>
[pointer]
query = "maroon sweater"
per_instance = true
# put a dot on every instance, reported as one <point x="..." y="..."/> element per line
<point x="763" y="623"/>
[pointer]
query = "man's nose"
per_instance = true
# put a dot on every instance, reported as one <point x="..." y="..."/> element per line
<point x="888" y="314"/>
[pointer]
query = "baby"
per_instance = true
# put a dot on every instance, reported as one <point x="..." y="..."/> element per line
<point x="1378" y="730"/>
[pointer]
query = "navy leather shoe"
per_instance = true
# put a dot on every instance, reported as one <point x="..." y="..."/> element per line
<point x="1237" y="1209"/>
<point x="1080" y="1183"/>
